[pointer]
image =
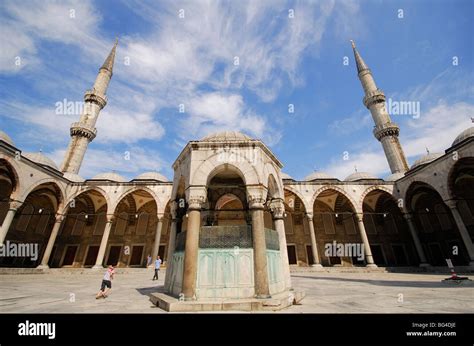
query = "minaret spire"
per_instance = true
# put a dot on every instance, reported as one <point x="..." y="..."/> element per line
<point x="385" y="131"/>
<point x="83" y="132"/>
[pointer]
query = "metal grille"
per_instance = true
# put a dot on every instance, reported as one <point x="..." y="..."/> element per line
<point x="271" y="239"/>
<point x="223" y="237"/>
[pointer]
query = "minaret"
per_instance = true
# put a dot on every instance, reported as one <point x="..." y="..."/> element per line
<point x="385" y="131"/>
<point x="84" y="131"/>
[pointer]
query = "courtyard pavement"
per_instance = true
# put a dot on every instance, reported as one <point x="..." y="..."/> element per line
<point x="326" y="292"/>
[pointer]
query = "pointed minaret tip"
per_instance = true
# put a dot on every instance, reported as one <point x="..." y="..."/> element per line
<point x="353" y="44"/>
<point x="109" y="62"/>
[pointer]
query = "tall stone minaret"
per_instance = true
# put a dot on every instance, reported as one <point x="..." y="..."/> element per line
<point x="385" y="131"/>
<point x="84" y="131"/>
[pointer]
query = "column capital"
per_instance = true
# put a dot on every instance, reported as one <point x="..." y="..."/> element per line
<point x="256" y="201"/>
<point x="451" y="203"/>
<point x="15" y="205"/>
<point x="173" y="208"/>
<point x="277" y="206"/>
<point x="359" y="216"/>
<point x="196" y="202"/>
<point x="59" y="218"/>
<point x="309" y="216"/>
<point x="110" y="218"/>
<point x="160" y="216"/>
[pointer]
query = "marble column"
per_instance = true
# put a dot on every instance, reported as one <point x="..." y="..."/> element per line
<point x="171" y="245"/>
<point x="103" y="244"/>
<point x="466" y="238"/>
<point x="262" y="288"/>
<point x="278" y="212"/>
<point x="156" y="243"/>
<point x="13" y="207"/>
<point x="416" y="240"/>
<point x="52" y="239"/>
<point x="363" y="234"/>
<point x="314" y="245"/>
<point x="191" y="248"/>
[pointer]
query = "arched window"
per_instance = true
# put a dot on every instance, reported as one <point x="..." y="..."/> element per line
<point x="443" y="217"/>
<point x="369" y="224"/>
<point x="25" y="218"/>
<point x="288" y="219"/>
<point x="328" y="223"/>
<point x="122" y="222"/>
<point x="349" y="226"/>
<point x="465" y="212"/>
<point x="142" y="225"/>
<point x="100" y="221"/>
<point x="43" y="222"/>
<point x="79" y="224"/>
<point x="425" y="222"/>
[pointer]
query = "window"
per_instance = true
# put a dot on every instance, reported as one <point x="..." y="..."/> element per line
<point x="25" y="218"/>
<point x="79" y="224"/>
<point x="443" y="217"/>
<point x="100" y="222"/>
<point x="142" y="225"/>
<point x="349" y="224"/>
<point x="121" y="225"/>
<point x="43" y="222"/>
<point x="328" y="224"/>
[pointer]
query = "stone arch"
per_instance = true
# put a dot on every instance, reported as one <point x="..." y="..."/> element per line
<point x="299" y="194"/>
<point x="134" y="189"/>
<point x="88" y="189"/>
<point x="415" y="185"/>
<point x="213" y="164"/>
<point x="59" y="188"/>
<point x="13" y="170"/>
<point x="454" y="170"/>
<point x="274" y="189"/>
<point x="352" y="202"/>
<point x="373" y="188"/>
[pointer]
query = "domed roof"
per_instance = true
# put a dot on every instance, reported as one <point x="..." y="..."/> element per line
<point x="317" y="175"/>
<point x="40" y="159"/>
<point x="112" y="176"/>
<point x="6" y="138"/>
<point x="427" y="158"/>
<point x="285" y="176"/>
<point x="152" y="176"/>
<point x="226" y="136"/>
<point x="359" y="176"/>
<point x="469" y="132"/>
<point x="73" y="177"/>
<point x="395" y="176"/>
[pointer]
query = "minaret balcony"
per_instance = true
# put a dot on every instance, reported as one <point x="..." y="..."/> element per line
<point x="83" y="130"/>
<point x="373" y="97"/>
<point x="92" y="96"/>
<point x="388" y="129"/>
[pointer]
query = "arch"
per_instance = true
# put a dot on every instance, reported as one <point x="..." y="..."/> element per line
<point x="205" y="171"/>
<point x="337" y="189"/>
<point x="374" y="188"/>
<point x="299" y="195"/>
<point x="413" y="187"/>
<point x="274" y="189"/>
<point x="468" y="163"/>
<point x="13" y="169"/>
<point x="59" y="189"/>
<point x="85" y="190"/>
<point x="127" y="193"/>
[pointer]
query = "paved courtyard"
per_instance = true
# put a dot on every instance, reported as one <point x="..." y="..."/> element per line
<point x="333" y="292"/>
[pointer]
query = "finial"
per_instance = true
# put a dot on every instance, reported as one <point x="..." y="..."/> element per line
<point x="116" y="41"/>
<point x="355" y="168"/>
<point x="427" y="150"/>
<point x="353" y="44"/>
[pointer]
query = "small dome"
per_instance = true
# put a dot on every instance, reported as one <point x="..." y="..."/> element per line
<point x="226" y="136"/>
<point x="285" y="176"/>
<point x="469" y="132"/>
<point x="152" y="176"/>
<point x="40" y="159"/>
<point x="360" y="176"/>
<point x="110" y="176"/>
<point x="317" y="175"/>
<point x="73" y="177"/>
<point x="395" y="176"/>
<point x="426" y="159"/>
<point x="6" y="138"/>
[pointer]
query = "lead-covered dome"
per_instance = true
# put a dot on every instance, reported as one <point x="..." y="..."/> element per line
<point x="425" y="159"/>
<point x="152" y="176"/>
<point x="360" y="176"/>
<point x="6" y="138"/>
<point x="40" y="159"/>
<point x="285" y="176"/>
<point x="317" y="175"/>
<point x="469" y="132"/>
<point x="73" y="177"/>
<point x="226" y="136"/>
<point x="112" y="176"/>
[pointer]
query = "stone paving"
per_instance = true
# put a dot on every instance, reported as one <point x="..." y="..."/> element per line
<point x="326" y="292"/>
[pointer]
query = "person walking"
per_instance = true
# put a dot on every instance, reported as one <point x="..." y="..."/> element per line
<point x="106" y="286"/>
<point x="157" y="267"/>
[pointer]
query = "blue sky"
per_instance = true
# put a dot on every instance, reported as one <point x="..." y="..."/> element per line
<point x="419" y="51"/>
